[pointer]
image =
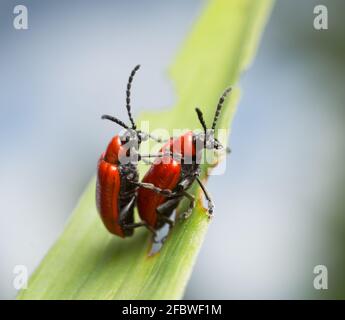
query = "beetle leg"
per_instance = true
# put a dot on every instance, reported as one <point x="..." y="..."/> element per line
<point x="152" y="187"/>
<point x="126" y="216"/>
<point x="145" y="136"/>
<point x="208" y="198"/>
<point x="157" y="139"/>
<point x="165" y="210"/>
<point x="165" y="219"/>
<point x="175" y="156"/>
<point x="147" y="161"/>
<point x="140" y="224"/>
<point x="191" y="198"/>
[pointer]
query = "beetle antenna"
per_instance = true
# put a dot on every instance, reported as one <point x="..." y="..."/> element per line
<point x="118" y="121"/>
<point x="201" y="119"/>
<point x="219" y="107"/>
<point x="128" y="95"/>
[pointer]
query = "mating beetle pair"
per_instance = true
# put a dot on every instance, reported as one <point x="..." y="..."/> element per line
<point x="166" y="183"/>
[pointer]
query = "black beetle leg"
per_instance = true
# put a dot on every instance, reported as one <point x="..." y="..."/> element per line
<point x="208" y="198"/>
<point x="152" y="187"/>
<point x="141" y="224"/>
<point x="157" y="139"/>
<point x="145" y="136"/>
<point x="147" y="161"/>
<point x="191" y="198"/>
<point x="168" y="153"/>
<point x="164" y="218"/>
<point x="165" y="210"/>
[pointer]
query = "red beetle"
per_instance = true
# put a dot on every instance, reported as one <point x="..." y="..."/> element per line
<point x="178" y="176"/>
<point x="117" y="177"/>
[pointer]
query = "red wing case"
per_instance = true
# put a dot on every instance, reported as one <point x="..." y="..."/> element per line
<point x="107" y="191"/>
<point x="164" y="176"/>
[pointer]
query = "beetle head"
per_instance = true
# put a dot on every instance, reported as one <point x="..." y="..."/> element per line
<point x="207" y="137"/>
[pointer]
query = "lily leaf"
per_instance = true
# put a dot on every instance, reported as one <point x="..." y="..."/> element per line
<point x="87" y="262"/>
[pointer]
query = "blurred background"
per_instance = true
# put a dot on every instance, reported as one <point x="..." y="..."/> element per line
<point x="281" y="202"/>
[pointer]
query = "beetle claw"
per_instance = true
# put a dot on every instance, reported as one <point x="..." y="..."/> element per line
<point x="185" y="215"/>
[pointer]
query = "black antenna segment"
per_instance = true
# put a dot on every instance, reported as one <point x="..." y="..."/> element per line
<point x="219" y="107"/>
<point x="118" y="121"/>
<point x="201" y="119"/>
<point x="128" y="95"/>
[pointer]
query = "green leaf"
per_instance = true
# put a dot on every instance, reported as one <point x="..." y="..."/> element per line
<point x="87" y="262"/>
